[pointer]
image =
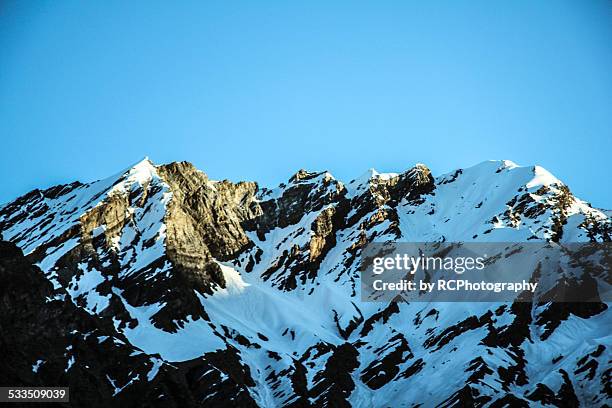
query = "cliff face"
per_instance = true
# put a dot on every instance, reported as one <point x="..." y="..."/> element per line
<point x="48" y="341"/>
<point x="161" y="287"/>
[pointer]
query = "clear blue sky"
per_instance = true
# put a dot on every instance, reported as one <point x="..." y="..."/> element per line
<point x="256" y="90"/>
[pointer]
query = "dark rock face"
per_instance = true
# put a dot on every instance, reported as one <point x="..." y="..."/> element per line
<point x="305" y="193"/>
<point x="162" y="288"/>
<point x="390" y="356"/>
<point x="47" y="341"/>
<point x="301" y="263"/>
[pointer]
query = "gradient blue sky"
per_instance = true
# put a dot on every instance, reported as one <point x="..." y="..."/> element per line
<point x="256" y="90"/>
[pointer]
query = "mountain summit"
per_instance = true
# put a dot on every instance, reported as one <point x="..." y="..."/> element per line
<point x="160" y="287"/>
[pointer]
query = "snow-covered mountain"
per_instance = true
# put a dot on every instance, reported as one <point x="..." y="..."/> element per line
<point x="160" y="287"/>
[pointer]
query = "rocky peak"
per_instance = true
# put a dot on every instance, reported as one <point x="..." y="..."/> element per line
<point x="205" y="217"/>
<point x="305" y="192"/>
<point x="303" y="175"/>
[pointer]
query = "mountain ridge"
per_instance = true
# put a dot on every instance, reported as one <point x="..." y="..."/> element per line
<point x="263" y="285"/>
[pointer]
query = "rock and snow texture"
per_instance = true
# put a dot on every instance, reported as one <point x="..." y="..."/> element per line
<point x="212" y="293"/>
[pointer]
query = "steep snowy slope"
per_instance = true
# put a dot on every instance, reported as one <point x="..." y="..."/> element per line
<point x="236" y="291"/>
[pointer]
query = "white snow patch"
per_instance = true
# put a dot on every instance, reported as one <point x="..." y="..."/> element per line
<point x="37" y="365"/>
